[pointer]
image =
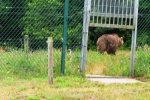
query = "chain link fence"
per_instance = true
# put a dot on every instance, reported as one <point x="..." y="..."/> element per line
<point x="142" y="64"/>
<point x="40" y="19"/>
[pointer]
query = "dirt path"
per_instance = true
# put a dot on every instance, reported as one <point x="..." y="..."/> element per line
<point x="111" y="80"/>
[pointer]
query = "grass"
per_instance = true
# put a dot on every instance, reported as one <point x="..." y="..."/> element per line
<point x="24" y="76"/>
<point x="108" y="64"/>
<point x="71" y="88"/>
<point x="119" y="65"/>
<point x="18" y="64"/>
<point x="142" y="65"/>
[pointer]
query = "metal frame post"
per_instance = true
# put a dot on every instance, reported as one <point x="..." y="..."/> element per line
<point x="86" y="19"/>
<point x="134" y="37"/>
<point x="64" y="41"/>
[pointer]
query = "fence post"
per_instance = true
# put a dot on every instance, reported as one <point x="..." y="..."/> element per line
<point x="26" y="43"/>
<point x="133" y="46"/>
<point x="66" y="9"/>
<point x="87" y="7"/>
<point x="134" y="37"/>
<point x="50" y="60"/>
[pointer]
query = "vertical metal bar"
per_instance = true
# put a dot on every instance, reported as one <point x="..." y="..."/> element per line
<point x="126" y="12"/>
<point x="106" y="12"/>
<point x="98" y="11"/>
<point x="114" y="12"/>
<point x="102" y="11"/>
<point x="130" y="12"/>
<point x="87" y="7"/>
<point x="94" y="11"/>
<point x="122" y="13"/>
<point x="132" y="54"/>
<point x="66" y="9"/>
<point x="119" y="6"/>
<point x="110" y="11"/>
<point x="134" y="36"/>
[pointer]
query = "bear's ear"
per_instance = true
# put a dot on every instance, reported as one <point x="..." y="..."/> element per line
<point x="121" y="38"/>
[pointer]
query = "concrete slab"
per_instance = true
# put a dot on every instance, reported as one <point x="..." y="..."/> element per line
<point x="111" y="79"/>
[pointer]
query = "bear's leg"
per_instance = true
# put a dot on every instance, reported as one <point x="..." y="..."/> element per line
<point x="101" y="48"/>
<point x="111" y="51"/>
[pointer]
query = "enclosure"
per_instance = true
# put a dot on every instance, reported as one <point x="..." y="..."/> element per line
<point x="40" y="19"/>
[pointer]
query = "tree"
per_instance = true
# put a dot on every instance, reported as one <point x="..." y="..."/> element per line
<point x="43" y="18"/>
<point x="10" y="24"/>
<point x="144" y="23"/>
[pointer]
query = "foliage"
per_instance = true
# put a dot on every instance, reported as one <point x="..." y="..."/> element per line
<point x="43" y="18"/>
<point x="144" y="23"/>
<point x="42" y="22"/>
<point x="11" y="25"/>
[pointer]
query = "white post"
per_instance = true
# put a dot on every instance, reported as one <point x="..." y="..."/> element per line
<point x="87" y="7"/>
<point x="134" y="36"/>
<point x="50" y="60"/>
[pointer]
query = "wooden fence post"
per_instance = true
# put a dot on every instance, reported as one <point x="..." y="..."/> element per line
<point x="26" y="43"/>
<point x="50" y="60"/>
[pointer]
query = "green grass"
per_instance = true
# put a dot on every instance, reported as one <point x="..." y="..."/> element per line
<point x="119" y="65"/>
<point x="71" y="88"/>
<point x="142" y="66"/>
<point x="21" y="65"/>
<point x="24" y="76"/>
<point x="17" y="64"/>
<point x="108" y="64"/>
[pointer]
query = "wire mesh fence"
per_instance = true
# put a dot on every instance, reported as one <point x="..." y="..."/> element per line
<point x="142" y="66"/>
<point x="40" y="19"/>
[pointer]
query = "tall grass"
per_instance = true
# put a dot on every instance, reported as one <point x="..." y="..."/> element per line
<point x="18" y="64"/>
<point x="119" y="65"/>
<point x="142" y="65"/>
<point x="115" y="65"/>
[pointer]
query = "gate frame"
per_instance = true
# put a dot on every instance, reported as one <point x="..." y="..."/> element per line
<point x="86" y="21"/>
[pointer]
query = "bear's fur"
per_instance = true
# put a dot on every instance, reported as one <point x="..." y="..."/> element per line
<point x="109" y="43"/>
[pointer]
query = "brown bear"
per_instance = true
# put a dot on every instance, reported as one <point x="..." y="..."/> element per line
<point x="109" y="43"/>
